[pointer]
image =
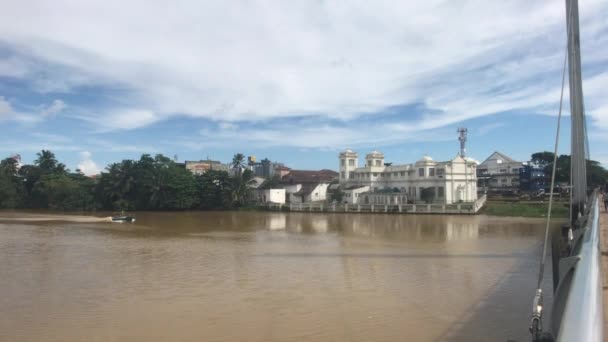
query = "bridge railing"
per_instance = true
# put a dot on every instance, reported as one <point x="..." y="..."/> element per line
<point x="579" y="293"/>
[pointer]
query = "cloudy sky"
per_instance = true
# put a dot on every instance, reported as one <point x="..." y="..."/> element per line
<point x="294" y="81"/>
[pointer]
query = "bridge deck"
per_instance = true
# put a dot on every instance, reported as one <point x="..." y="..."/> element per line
<point x="604" y="242"/>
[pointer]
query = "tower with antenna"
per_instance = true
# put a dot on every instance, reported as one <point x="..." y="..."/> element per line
<point x="462" y="137"/>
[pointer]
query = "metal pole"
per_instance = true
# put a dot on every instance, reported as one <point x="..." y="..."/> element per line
<point x="577" y="115"/>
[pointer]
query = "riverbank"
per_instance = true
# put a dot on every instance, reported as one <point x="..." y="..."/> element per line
<point x="524" y="209"/>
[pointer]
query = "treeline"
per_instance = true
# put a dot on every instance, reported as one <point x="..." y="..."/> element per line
<point x="150" y="183"/>
<point x="596" y="174"/>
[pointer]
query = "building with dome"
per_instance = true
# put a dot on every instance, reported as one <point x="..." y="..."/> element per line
<point x="444" y="182"/>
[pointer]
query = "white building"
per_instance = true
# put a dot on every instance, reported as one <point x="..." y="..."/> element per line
<point x="499" y="172"/>
<point x="276" y="196"/>
<point x="450" y="181"/>
<point x="306" y="193"/>
<point x="353" y="193"/>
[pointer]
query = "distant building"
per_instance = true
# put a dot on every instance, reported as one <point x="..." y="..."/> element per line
<point x="202" y="166"/>
<point x="532" y="177"/>
<point x="499" y="172"/>
<point x="303" y="186"/>
<point x="267" y="169"/>
<point x="448" y="182"/>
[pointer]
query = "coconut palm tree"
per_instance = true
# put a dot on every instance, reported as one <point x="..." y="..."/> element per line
<point x="238" y="163"/>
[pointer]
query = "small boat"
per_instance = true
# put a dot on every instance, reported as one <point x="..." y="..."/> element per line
<point x="122" y="217"/>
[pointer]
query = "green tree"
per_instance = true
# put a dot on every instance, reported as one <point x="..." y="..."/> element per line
<point x="47" y="163"/>
<point x="211" y="188"/>
<point x="11" y="189"/>
<point x="238" y="162"/>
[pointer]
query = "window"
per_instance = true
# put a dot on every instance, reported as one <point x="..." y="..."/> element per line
<point x="440" y="192"/>
<point x="343" y="162"/>
<point x="504" y="180"/>
<point x="421" y="172"/>
<point x="351" y="174"/>
<point x="503" y="171"/>
<point x="402" y="173"/>
<point x="494" y="180"/>
<point x="378" y="163"/>
<point x="369" y="175"/>
<point x="440" y="172"/>
<point x="369" y="163"/>
<point x="375" y="174"/>
<point x="375" y="189"/>
<point x="515" y="170"/>
<point x="515" y="180"/>
<point x="342" y="174"/>
<point x="431" y="171"/>
<point x="351" y="162"/>
<point x="382" y="175"/>
<point x="396" y="174"/>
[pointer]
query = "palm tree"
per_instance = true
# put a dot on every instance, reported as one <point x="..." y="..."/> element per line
<point x="121" y="183"/>
<point x="238" y="163"/>
<point x="47" y="162"/>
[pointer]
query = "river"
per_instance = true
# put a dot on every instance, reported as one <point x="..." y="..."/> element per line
<point x="258" y="276"/>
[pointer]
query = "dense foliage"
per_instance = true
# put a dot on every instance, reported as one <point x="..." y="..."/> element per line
<point x="596" y="174"/>
<point x="150" y="183"/>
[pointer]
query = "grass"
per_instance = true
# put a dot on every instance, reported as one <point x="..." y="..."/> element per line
<point x="529" y="209"/>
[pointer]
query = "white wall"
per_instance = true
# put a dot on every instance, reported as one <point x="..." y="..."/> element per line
<point x="319" y="193"/>
<point x="352" y="196"/>
<point x="274" y="196"/>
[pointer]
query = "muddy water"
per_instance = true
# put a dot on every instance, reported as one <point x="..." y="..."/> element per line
<point x="251" y="276"/>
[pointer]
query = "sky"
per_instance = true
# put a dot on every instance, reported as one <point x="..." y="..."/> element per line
<point x="293" y="81"/>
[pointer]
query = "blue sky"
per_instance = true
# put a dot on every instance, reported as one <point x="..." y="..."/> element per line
<point x="295" y="81"/>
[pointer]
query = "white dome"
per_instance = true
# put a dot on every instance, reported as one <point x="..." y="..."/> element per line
<point x="426" y="158"/>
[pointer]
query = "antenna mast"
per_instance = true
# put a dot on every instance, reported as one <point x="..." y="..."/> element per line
<point x="462" y="137"/>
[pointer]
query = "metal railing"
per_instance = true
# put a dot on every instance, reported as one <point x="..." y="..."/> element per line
<point x="580" y="293"/>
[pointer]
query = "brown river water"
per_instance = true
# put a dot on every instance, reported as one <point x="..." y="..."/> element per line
<point x="258" y="276"/>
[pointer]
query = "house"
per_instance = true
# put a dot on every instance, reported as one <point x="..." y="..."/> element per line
<point x="352" y="194"/>
<point x="303" y="186"/>
<point x="499" y="172"/>
<point x="276" y="196"/>
<point x="443" y="182"/>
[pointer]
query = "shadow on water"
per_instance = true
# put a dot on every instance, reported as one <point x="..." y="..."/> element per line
<point x="509" y="300"/>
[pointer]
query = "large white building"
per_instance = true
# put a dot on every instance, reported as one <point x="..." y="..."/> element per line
<point x="451" y="181"/>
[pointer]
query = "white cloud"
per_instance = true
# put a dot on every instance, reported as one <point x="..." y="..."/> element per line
<point x="87" y="165"/>
<point x="236" y="61"/>
<point x="54" y="108"/>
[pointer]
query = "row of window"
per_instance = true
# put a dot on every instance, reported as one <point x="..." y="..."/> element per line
<point x="506" y="170"/>
<point x="421" y="173"/>
<point x="504" y="180"/>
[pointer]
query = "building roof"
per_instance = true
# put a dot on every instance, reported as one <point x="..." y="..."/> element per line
<point x="309" y="176"/>
<point x="499" y="155"/>
<point x="306" y="189"/>
<point x="353" y="187"/>
<point x="206" y="161"/>
<point x="255" y="182"/>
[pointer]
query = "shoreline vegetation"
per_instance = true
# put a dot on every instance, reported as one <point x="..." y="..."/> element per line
<point x="150" y="183"/>
<point x="525" y="209"/>
<point x="160" y="184"/>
